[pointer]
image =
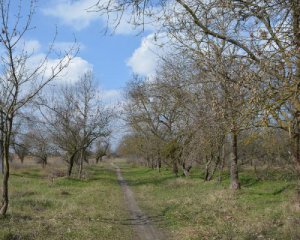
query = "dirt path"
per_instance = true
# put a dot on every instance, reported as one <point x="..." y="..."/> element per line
<point x="142" y="225"/>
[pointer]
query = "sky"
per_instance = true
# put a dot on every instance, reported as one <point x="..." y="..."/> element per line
<point x="112" y="57"/>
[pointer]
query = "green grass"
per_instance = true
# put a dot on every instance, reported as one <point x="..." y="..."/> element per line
<point x="45" y="208"/>
<point x="190" y="208"/>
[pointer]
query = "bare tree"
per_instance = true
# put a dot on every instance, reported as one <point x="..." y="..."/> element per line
<point x="140" y="114"/>
<point x="102" y="149"/>
<point x="21" y="146"/>
<point x="146" y="113"/>
<point x="40" y="144"/>
<point x="266" y="35"/>
<point x="20" y="81"/>
<point x="76" y="119"/>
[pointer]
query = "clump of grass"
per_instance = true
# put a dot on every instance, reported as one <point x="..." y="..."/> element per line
<point x="66" y="193"/>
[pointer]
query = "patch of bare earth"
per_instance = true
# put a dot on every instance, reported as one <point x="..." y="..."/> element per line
<point x="142" y="224"/>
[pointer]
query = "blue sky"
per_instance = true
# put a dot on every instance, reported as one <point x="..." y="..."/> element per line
<point x="113" y="58"/>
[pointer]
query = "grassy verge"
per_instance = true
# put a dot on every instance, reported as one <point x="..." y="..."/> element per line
<point x="43" y="207"/>
<point x="190" y="208"/>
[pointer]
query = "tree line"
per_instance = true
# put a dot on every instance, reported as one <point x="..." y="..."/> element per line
<point x="228" y="89"/>
<point x="227" y="93"/>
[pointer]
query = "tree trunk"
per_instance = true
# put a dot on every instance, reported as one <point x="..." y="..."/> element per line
<point x="44" y="162"/>
<point x="234" y="176"/>
<point x="1" y="160"/>
<point x="296" y="134"/>
<point x="175" y="168"/>
<point x="1" y="143"/>
<point x="85" y="158"/>
<point x="253" y="163"/>
<point x="295" y="150"/>
<point x="5" y="184"/>
<point x="222" y="163"/>
<point x="186" y="170"/>
<point x="152" y="163"/>
<point x="81" y="163"/>
<point x="207" y="165"/>
<point x="214" y="169"/>
<point x="6" y="157"/>
<point x="5" y="189"/>
<point x="158" y="164"/>
<point x="71" y="164"/>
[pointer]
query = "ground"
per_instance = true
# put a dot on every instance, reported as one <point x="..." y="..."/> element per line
<point x="46" y="205"/>
<point x="193" y="209"/>
<point x="143" y="225"/>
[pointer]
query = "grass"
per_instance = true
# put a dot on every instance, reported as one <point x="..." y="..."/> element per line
<point x="43" y="207"/>
<point x="190" y="208"/>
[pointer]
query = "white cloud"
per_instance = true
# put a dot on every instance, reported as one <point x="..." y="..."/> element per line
<point x="80" y="14"/>
<point x="144" y="59"/>
<point x="73" y="13"/>
<point x="32" y="46"/>
<point x="69" y="75"/>
<point x="111" y="94"/>
<point x="112" y="98"/>
<point x="29" y="45"/>
<point x="77" y="67"/>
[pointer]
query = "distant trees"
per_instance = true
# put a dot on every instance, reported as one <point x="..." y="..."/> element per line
<point x="41" y="147"/>
<point x="186" y="115"/>
<point x="21" y="146"/>
<point x="132" y="146"/>
<point x="266" y="35"/>
<point x="76" y="120"/>
<point x="102" y="148"/>
<point x="249" y="51"/>
<point x="21" y="80"/>
<point x="153" y="111"/>
<point x="60" y="116"/>
<point x="34" y="143"/>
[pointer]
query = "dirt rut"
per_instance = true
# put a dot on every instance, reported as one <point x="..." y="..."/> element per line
<point x="143" y="227"/>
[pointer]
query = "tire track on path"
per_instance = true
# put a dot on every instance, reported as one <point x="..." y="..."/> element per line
<point x="143" y="227"/>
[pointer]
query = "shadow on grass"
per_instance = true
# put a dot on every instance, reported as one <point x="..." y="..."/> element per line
<point x="15" y="217"/>
<point x="15" y="236"/>
<point x="24" y="194"/>
<point x="247" y="181"/>
<point x="139" y="220"/>
<point x="32" y="174"/>
<point x="274" y="192"/>
<point x="284" y="188"/>
<point x="35" y="204"/>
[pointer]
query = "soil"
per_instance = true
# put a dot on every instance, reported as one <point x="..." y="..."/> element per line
<point x="142" y="224"/>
